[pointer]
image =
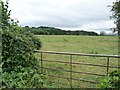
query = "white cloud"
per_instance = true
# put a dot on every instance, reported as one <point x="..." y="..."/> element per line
<point x="102" y="24"/>
<point x="67" y="14"/>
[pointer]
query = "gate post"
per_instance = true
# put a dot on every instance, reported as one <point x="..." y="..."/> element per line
<point x="107" y="65"/>
<point x="41" y="64"/>
<point x="70" y="71"/>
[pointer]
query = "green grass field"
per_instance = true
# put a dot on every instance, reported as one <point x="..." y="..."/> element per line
<point x="78" y="44"/>
<point x="81" y="44"/>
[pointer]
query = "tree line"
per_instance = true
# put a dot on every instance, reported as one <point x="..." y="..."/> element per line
<point x="44" y="30"/>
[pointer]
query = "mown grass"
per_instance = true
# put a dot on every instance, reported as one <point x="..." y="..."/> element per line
<point x="80" y="44"/>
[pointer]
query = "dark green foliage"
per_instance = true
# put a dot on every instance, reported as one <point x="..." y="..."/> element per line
<point x="19" y="66"/>
<point x="111" y="81"/>
<point x="5" y="15"/>
<point x="20" y="77"/>
<point x="115" y="8"/>
<point x="17" y="49"/>
<point x="102" y="33"/>
<point x="42" y="30"/>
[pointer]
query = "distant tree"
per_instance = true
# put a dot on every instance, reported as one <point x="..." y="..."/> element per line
<point x="102" y="33"/>
<point x="115" y="8"/>
<point x="43" y="30"/>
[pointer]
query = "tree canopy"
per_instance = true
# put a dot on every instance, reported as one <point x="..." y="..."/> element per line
<point x="44" y="30"/>
<point x="115" y="8"/>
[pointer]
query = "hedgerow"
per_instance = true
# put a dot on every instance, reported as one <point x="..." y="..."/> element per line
<point x="19" y="66"/>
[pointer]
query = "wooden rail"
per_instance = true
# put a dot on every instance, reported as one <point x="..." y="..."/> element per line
<point x="71" y="63"/>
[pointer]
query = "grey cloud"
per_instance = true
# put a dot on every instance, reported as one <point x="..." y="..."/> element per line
<point x="61" y="13"/>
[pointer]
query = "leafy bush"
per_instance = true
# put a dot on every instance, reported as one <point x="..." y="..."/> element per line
<point x="17" y="49"/>
<point x="22" y="78"/>
<point x="19" y="66"/>
<point x="111" y="81"/>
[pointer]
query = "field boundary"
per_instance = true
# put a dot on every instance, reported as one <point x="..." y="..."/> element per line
<point x="71" y="63"/>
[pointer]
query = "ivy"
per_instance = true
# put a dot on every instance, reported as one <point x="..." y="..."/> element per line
<point x="110" y="81"/>
<point x="19" y="66"/>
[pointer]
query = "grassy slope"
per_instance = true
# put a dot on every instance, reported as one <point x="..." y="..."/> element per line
<point x="81" y="44"/>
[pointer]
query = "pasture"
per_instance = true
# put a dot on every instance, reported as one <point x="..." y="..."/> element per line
<point x="81" y="44"/>
<point x="78" y="44"/>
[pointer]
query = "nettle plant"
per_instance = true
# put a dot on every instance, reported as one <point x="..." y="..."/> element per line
<point x="19" y="66"/>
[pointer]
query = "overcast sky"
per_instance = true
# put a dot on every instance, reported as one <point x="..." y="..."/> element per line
<point x="64" y="14"/>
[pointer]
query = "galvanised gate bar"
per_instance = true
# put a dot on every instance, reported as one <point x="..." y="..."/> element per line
<point x="71" y="62"/>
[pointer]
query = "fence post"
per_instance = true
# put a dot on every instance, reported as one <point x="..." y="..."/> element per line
<point x="107" y="65"/>
<point x="41" y="64"/>
<point x="70" y="71"/>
